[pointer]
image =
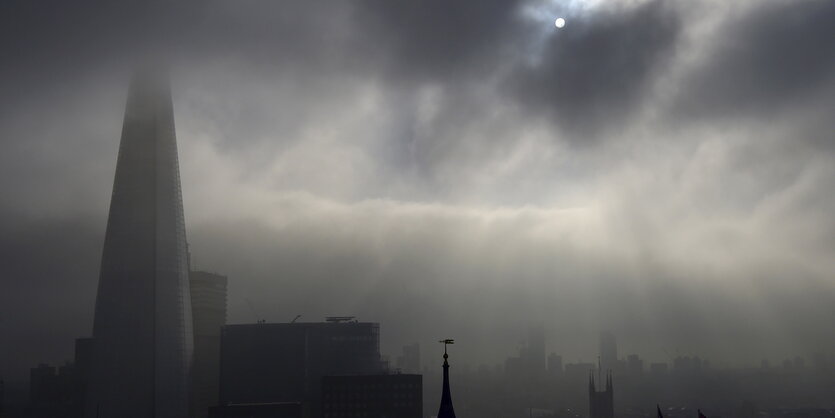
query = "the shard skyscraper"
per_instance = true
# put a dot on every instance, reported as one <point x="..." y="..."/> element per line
<point x="142" y="331"/>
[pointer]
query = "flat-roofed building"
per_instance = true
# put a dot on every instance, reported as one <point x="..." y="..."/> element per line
<point x="285" y="362"/>
<point x="208" y="307"/>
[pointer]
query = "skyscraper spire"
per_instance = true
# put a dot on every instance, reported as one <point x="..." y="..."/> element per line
<point x="142" y="329"/>
<point x="446" y="410"/>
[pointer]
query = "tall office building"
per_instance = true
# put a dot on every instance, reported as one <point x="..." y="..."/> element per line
<point x="208" y="307"/>
<point x="533" y="356"/>
<point x="634" y="365"/>
<point x="608" y="352"/>
<point x="142" y="330"/>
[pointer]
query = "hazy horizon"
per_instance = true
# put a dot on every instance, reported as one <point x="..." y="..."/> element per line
<point x="448" y="169"/>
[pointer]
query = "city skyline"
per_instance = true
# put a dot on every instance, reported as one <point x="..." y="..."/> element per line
<point x="661" y="170"/>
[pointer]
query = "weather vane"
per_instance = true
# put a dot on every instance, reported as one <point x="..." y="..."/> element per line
<point x="445" y="343"/>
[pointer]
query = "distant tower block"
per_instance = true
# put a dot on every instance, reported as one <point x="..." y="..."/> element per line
<point x="208" y="303"/>
<point x="446" y="410"/>
<point x="608" y="352"/>
<point x="142" y="329"/>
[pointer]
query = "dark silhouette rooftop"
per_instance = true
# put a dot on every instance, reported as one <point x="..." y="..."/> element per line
<point x="446" y="410"/>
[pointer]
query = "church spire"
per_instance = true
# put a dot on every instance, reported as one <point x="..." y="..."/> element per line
<point x="446" y="410"/>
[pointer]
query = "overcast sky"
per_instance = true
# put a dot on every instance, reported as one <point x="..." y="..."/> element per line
<point x="457" y="169"/>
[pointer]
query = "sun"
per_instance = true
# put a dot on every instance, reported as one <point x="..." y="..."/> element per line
<point x="560" y="22"/>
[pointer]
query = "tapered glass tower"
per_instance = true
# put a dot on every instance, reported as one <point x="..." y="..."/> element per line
<point x="142" y="331"/>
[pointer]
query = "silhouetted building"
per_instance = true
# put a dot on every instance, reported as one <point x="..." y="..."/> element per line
<point x="51" y="391"/>
<point x="578" y="371"/>
<point x="409" y="361"/>
<point x="83" y="366"/>
<point x="635" y="365"/>
<point x="601" y="404"/>
<point x="682" y="364"/>
<point x="658" y="368"/>
<point x="446" y="410"/>
<point x="43" y="384"/>
<point x="554" y="364"/>
<point x="533" y="356"/>
<point x="799" y="363"/>
<point x="373" y="396"/>
<point x="513" y="369"/>
<point x="44" y="391"/>
<point x="208" y="307"/>
<point x="269" y="363"/>
<point x="58" y="392"/>
<point x="687" y="364"/>
<point x="258" y="410"/>
<point x="608" y="352"/>
<point x="531" y="360"/>
<point x="83" y="358"/>
<point x="142" y="329"/>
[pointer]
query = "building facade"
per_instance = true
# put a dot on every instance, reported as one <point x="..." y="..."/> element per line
<point x="285" y="362"/>
<point x="409" y="361"/>
<point x="208" y="307"/>
<point x="372" y="396"/>
<point x="258" y="410"/>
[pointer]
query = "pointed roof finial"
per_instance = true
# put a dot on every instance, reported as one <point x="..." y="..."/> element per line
<point x="446" y="410"/>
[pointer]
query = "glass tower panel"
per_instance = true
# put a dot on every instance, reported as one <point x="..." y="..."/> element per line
<point x="142" y="329"/>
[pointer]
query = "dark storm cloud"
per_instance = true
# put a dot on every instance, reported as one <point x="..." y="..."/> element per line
<point x="594" y="74"/>
<point x="590" y="76"/>
<point x="441" y="40"/>
<point x="83" y="34"/>
<point x="415" y="163"/>
<point x="774" y="59"/>
<point x="422" y="41"/>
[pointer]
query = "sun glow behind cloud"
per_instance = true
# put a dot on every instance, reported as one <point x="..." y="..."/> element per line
<point x="627" y="171"/>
